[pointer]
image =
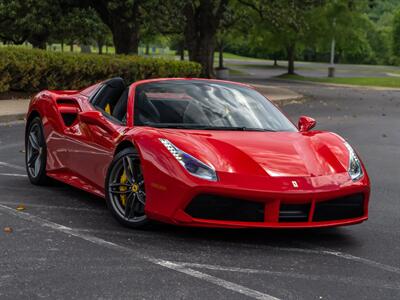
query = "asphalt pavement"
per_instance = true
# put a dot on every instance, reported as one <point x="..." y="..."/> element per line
<point x="65" y="244"/>
<point x="311" y="69"/>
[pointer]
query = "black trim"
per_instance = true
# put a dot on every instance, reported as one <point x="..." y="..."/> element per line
<point x="346" y="207"/>
<point x="214" y="207"/>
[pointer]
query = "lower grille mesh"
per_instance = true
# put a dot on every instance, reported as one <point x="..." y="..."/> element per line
<point x="213" y="207"/>
<point x="347" y="207"/>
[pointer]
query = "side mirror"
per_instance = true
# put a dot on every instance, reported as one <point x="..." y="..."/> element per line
<point x="306" y="123"/>
<point x="96" y="118"/>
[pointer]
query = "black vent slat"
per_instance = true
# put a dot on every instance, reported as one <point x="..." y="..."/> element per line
<point x="347" y="207"/>
<point x="214" y="207"/>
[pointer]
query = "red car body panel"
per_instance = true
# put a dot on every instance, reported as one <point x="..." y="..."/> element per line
<point x="257" y="166"/>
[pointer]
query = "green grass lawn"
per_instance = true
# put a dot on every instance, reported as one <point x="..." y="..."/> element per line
<point x="364" y="81"/>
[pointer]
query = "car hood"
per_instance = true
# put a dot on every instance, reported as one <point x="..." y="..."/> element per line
<point x="275" y="154"/>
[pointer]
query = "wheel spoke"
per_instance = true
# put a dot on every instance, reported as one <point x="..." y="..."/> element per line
<point x="141" y="197"/>
<point x="33" y="141"/>
<point x="129" y="205"/>
<point x="121" y="192"/>
<point x="37" y="166"/>
<point x="128" y="169"/>
<point x="33" y="157"/>
<point x="119" y="184"/>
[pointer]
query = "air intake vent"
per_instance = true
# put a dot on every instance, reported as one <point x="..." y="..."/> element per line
<point x="341" y="208"/>
<point x="213" y="207"/>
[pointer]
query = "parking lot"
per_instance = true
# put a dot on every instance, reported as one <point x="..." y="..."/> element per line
<point x="65" y="244"/>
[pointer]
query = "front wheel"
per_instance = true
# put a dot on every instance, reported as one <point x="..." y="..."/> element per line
<point x="125" y="193"/>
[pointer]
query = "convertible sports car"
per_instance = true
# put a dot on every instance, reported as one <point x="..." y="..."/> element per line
<point x="194" y="152"/>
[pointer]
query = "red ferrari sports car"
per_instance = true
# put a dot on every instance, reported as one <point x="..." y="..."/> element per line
<point x="194" y="152"/>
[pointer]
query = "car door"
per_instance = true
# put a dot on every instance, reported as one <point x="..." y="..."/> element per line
<point x="95" y="137"/>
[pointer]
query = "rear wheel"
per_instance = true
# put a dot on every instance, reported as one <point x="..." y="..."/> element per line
<point x="125" y="193"/>
<point x="36" y="152"/>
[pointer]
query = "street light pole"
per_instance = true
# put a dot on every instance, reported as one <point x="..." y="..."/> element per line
<point x="331" y="69"/>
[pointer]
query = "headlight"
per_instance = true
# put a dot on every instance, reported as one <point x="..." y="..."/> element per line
<point x="355" y="169"/>
<point x="194" y="166"/>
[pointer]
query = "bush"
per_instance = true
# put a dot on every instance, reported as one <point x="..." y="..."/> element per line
<point x="31" y="70"/>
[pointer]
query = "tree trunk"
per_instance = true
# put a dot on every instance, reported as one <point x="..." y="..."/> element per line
<point x="38" y="42"/>
<point x="181" y="49"/>
<point x="202" y="23"/>
<point x="291" y="53"/>
<point x="71" y="47"/>
<point x="147" y="51"/>
<point x="85" y="49"/>
<point x="100" y="46"/>
<point x="202" y="52"/>
<point x="125" y="39"/>
<point x="221" y="56"/>
<point x="62" y="46"/>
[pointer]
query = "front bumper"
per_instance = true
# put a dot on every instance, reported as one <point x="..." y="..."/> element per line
<point x="250" y="202"/>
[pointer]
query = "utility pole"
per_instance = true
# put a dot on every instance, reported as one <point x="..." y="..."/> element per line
<point x="331" y="68"/>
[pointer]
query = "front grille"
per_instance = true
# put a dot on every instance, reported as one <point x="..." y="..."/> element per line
<point x="294" y="212"/>
<point x="341" y="208"/>
<point x="213" y="207"/>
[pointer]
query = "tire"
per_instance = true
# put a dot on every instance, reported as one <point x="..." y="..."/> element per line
<point x="124" y="189"/>
<point x="35" y="146"/>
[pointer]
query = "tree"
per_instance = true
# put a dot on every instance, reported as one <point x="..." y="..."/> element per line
<point x="197" y="21"/>
<point x="30" y="20"/>
<point x="396" y="34"/>
<point x="82" y="26"/>
<point x="288" y="20"/>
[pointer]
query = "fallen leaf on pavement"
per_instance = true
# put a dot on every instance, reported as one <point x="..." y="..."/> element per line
<point x="20" y="207"/>
<point x="8" y="229"/>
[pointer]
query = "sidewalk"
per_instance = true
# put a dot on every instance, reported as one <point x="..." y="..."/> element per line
<point x="14" y="110"/>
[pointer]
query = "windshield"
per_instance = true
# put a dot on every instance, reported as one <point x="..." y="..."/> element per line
<point x="208" y="105"/>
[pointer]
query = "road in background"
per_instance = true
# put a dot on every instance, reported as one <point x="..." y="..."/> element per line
<point x="65" y="244"/>
<point x="265" y="69"/>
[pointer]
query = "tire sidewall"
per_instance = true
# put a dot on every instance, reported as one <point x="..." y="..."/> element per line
<point x="41" y="178"/>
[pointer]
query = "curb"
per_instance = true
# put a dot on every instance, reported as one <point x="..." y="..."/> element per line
<point x="12" y="117"/>
<point x="361" y="87"/>
<point x="289" y="96"/>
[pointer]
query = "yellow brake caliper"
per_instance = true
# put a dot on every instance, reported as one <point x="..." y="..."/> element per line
<point x="123" y="180"/>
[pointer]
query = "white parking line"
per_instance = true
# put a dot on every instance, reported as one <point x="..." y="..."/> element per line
<point x="8" y="146"/>
<point x="327" y="277"/>
<point x="170" y="265"/>
<point x="4" y="164"/>
<point x="212" y="279"/>
<point x="13" y="175"/>
<point x="346" y="256"/>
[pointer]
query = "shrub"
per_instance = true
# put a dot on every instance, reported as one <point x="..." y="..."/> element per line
<point x="30" y="70"/>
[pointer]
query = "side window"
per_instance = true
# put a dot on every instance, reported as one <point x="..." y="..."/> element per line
<point x="119" y="111"/>
<point x="95" y="93"/>
<point x="111" y="99"/>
